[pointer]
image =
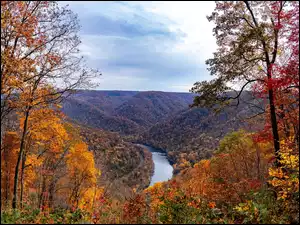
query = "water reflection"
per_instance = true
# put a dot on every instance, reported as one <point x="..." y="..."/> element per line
<point x="163" y="171"/>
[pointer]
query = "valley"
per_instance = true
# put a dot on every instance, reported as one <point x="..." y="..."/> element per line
<point x="160" y="119"/>
<point x="123" y="165"/>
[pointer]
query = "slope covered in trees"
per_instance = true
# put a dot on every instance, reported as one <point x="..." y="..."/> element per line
<point x="126" y="112"/>
<point x="161" y="119"/>
<point x="124" y="165"/>
<point x="194" y="133"/>
<point x="90" y="115"/>
<point x="149" y="108"/>
<point x="106" y="101"/>
<point x="164" y="120"/>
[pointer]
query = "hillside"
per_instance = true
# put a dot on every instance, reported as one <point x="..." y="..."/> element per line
<point x="149" y="108"/>
<point x="91" y="115"/>
<point x="161" y="119"/>
<point x="193" y="134"/>
<point x="123" y="165"/>
<point x="106" y="101"/>
<point x="125" y="112"/>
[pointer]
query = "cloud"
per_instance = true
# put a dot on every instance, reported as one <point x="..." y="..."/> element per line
<point x="147" y="45"/>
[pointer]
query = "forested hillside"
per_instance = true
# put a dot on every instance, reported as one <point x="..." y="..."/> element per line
<point x="124" y="111"/>
<point x="91" y="115"/>
<point x="149" y="108"/>
<point x="193" y="134"/>
<point x="164" y="120"/>
<point x="123" y="165"/>
<point x="106" y="101"/>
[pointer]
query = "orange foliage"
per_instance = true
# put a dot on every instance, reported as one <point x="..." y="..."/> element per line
<point x="9" y="154"/>
<point x="240" y="165"/>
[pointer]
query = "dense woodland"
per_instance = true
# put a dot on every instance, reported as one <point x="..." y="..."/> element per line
<point x="124" y="166"/>
<point x="164" y="120"/>
<point x="125" y="112"/>
<point x="68" y="153"/>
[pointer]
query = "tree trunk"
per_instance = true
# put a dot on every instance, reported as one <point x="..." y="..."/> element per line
<point x="259" y="176"/>
<point x="93" y="205"/>
<point x="274" y="125"/>
<point x="51" y="193"/>
<point x="22" y="178"/>
<point x="14" y="202"/>
<point x="41" y="198"/>
<point x="5" y="154"/>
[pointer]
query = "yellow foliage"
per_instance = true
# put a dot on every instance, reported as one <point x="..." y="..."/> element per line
<point x="244" y="207"/>
<point x="286" y="178"/>
<point x="82" y="172"/>
<point x="89" y="198"/>
<point x="80" y="160"/>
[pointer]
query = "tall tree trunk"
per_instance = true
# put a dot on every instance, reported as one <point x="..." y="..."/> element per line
<point x="7" y="187"/>
<point x="22" y="178"/>
<point x="41" y="198"/>
<point x="95" y="189"/>
<point x="14" y="202"/>
<point x="259" y="176"/>
<point x="51" y="192"/>
<point x="270" y="63"/>
<point x="274" y="122"/>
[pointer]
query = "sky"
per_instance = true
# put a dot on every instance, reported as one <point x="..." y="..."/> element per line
<point x="144" y="46"/>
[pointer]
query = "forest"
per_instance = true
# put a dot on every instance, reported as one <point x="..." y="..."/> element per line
<point x="68" y="152"/>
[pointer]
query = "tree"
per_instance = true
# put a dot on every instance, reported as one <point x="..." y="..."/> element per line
<point x="250" y="36"/>
<point x="45" y="146"/>
<point x="40" y="62"/>
<point x="9" y="155"/>
<point x="81" y="171"/>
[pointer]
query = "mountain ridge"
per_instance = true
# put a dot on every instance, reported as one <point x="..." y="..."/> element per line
<point x="161" y="119"/>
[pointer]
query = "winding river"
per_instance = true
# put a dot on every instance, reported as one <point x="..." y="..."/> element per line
<point x="163" y="171"/>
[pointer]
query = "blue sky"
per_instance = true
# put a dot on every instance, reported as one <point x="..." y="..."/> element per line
<point x="146" y="45"/>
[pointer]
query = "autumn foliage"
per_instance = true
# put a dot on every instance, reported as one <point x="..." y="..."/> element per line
<point x="252" y="177"/>
<point x="49" y="175"/>
<point x="39" y="66"/>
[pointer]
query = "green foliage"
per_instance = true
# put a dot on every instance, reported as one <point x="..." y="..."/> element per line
<point x="58" y="216"/>
<point x="16" y="216"/>
<point x="260" y="208"/>
<point x="233" y="140"/>
<point x="176" y="210"/>
<point x="10" y="217"/>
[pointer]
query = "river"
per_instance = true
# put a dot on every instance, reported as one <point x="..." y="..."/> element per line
<point x="163" y="171"/>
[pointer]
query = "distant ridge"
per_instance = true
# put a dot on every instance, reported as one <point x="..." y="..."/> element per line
<point x="126" y="112"/>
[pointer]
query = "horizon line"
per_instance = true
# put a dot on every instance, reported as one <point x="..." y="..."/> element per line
<point x="133" y="90"/>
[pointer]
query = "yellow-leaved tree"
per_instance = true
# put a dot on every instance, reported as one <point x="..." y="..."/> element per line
<point x="82" y="175"/>
<point x="40" y="63"/>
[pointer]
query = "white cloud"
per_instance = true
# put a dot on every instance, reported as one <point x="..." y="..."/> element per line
<point x="125" y="79"/>
<point x="148" y="62"/>
<point x="189" y="17"/>
<point x="180" y="88"/>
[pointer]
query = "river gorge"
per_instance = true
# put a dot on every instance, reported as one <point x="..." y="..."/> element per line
<point x="163" y="171"/>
